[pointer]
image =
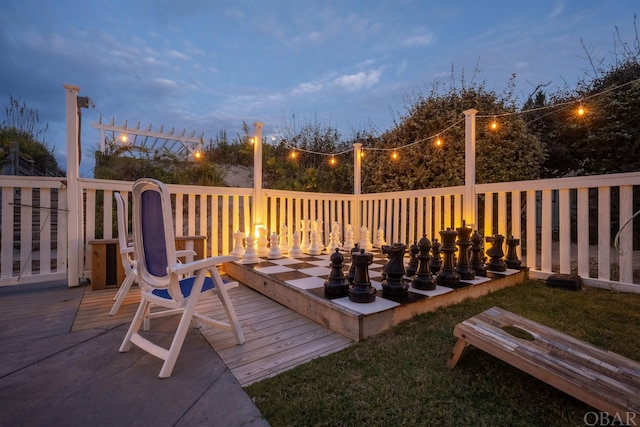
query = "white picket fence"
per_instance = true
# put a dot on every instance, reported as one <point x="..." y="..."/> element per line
<point x="555" y="220"/>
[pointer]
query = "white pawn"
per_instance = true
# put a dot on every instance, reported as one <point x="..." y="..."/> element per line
<point x="284" y="238"/>
<point x="334" y="238"/>
<point x="380" y="241"/>
<point x="348" y="238"/>
<point x="365" y="239"/>
<point x="250" y="254"/>
<point x="274" y="252"/>
<point x="314" y="248"/>
<point x="263" y="242"/>
<point x="238" y="249"/>
<point x="295" y="251"/>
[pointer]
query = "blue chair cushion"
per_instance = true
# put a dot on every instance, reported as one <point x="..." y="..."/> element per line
<point x="185" y="287"/>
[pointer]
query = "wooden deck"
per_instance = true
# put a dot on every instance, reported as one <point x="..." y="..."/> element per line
<point x="277" y="338"/>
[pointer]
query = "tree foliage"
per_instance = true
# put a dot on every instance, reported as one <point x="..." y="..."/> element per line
<point x="22" y="127"/>
<point x="606" y="139"/>
<point x="508" y="153"/>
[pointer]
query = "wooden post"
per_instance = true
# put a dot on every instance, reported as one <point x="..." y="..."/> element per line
<point x="257" y="175"/>
<point x="469" y="212"/>
<point x="75" y="248"/>
<point x="357" y="188"/>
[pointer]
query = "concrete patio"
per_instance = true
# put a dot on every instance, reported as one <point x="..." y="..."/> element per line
<point x="51" y="376"/>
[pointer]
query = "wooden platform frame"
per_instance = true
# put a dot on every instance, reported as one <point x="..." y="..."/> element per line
<point x="605" y="380"/>
<point x="351" y="324"/>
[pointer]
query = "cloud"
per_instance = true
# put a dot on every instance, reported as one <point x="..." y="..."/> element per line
<point x="422" y="39"/>
<point x="354" y="82"/>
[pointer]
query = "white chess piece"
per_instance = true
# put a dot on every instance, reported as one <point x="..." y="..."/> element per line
<point x="314" y="248"/>
<point x="317" y="227"/>
<point x="348" y="238"/>
<point x="334" y="237"/>
<point x="304" y="233"/>
<point x="380" y="241"/>
<point x="284" y="238"/>
<point x="295" y="251"/>
<point x="238" y="249"/>
<point x="263" y="242"/>
<point x="250" y="254"/>
<point x="274" y="252"/>
<point x="365" y="239"/>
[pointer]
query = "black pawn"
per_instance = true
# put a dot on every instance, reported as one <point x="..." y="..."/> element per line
<point x="448" y="276"/>
<point x="477" y="254"/>
<point x="423" y="278"/>
<point x="336" y="284"/>
<point x="496" y="263"/>
<point x="412" y="266"/>
<point x="511" y="259"/>
<point x="436" y="260"/>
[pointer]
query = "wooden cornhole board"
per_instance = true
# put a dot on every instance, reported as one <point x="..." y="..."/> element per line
<point x="605" y="380"/>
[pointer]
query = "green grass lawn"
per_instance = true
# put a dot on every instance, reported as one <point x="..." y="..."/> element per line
<point x="400" y="378"/>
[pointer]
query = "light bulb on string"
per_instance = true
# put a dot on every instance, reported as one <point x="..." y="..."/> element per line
<point x="332" y="161"/>
<point x="494" y="124"/>
<point x="124" y="138"/>
<point x="197" y="155"/>
<point x="394" y="155"/>
<point x="438" y="142"/>
<point x="581" y="111"/>
<point x="293" y="154"/>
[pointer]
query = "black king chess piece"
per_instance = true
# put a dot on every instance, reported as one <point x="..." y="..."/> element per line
<point x="352" y="269"/>
<point x="394" y="284"/>
<point x="448" y="276"/>
<point x="361" y="289"/>
<point x="336" y="284"/>
<point x="495" y="252"/>
<point x="423" y="278"/>
<point x="477" y="254"/>
<point x="464" y="243"/>
<point x="436" y="260"/>
<point x="511" y="259"/>
<point x="412" y="266"/>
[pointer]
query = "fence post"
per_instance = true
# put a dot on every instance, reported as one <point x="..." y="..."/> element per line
<point x="75" y="244"/>
<point x="257" y="176"/>
<point x="469" y="211"/>
<point x="357" y="187"/>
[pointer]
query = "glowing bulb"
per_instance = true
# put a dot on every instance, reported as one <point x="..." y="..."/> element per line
<point x="293" y="155"/>
<point x="394" y="155"/>
<point x="438" y="142"/>
<point x="494" y="125"/>
<point x="581" y="111"/>
<point x="197" y="155"/>
<point x="124" y="137"/>
<point x="332" y="161"/>
<point x="361" y="154"/>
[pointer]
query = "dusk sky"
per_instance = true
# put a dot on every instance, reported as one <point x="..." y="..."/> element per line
<point x="209" y="65"/>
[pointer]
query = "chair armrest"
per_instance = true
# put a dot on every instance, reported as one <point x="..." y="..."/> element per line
<point x="200" y="264"/>
<point x="127" y="250"/>
<point x="185" y="252"/>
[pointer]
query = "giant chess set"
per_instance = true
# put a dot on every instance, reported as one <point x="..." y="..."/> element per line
<point x="369" y="277"/>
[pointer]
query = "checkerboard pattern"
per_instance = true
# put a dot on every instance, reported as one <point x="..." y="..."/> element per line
<point x="309" y="273"/>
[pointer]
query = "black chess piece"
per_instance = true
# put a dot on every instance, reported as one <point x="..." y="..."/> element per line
<point x="511" y="260"/>
<point x="436" y="260"/>
<point x="477" y="254"/>
<point x="448" y="276"/>
<point x="412" y="266"/>
<point x="464" y="243"/>
<point x="496" y="263"/>
<point x="394" y="284"/>
<point x="361" y="290"/>
<point x="352" y="269"/>
<point x="423" y="278"/>
<point x="336" y="284"/>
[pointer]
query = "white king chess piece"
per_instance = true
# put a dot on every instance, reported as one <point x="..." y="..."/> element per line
<point x="263" y="242"/>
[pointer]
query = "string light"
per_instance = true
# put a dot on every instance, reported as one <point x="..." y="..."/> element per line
<point x="438" y="142"/>
<point x="394" y="155"/>
<point x="332" y="161"/>
<point x="581" y="111"/>
<point x="494" y="124"/>
<point x="124" y="138"/>
<point x="293" y="154"/>
<point x="197" y="155"/>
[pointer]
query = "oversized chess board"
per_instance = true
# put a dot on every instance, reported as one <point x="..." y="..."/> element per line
<point x="299" y="284"/>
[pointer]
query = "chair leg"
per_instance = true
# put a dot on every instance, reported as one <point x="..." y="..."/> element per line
<point x="223" y="295"/>
<point x="122" y="292"/>
<point x="141" y="313"/>
<point x="178" y="338"/>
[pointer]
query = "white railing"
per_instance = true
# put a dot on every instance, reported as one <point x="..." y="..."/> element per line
<point x="565" y="225"/>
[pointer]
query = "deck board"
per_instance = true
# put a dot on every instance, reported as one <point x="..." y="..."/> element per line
<point x="277" y="338"/>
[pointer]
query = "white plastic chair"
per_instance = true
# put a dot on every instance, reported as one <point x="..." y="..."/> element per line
<point x="126" y="254"/>
<point x="161" y="281"/>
